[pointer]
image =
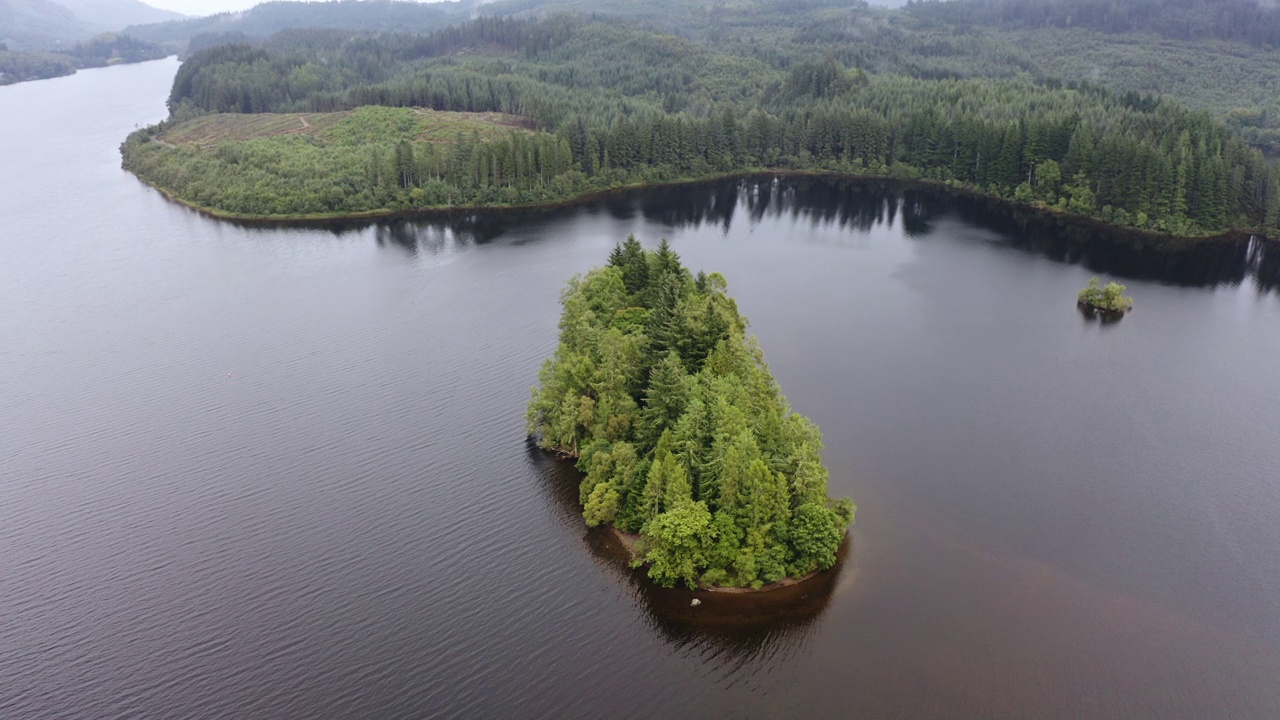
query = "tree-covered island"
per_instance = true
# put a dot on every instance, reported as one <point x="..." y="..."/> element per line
<point x="1109" y="298"/>
<point x="682" y="433"/>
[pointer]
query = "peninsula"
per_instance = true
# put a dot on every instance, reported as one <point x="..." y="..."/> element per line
<point x="682" y="433"/>
<point x="508" y="111"/>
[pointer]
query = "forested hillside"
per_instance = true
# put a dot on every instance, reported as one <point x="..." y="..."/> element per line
<point x="1247" y="21"/>
<point x="1210" y="55"/>
<point x="105" y="49"/>
<point x="1217" y="55"/>
<point x="638" y="105"/>
<point x="682" y="433"/>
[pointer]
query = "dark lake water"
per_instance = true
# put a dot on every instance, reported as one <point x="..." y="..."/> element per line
<point x="281" y="473"/>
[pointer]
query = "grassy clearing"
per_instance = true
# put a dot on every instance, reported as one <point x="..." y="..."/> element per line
<point x="348" y="163"/>
<point x="350" y="127"/>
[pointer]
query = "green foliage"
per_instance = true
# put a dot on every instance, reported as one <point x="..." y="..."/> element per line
<point x="616" y="103"/>
<point x="1238" y="20"/>
<point x="815" y="536"/>
<point x="601" y="505"/>
<point x="675" y="543"/>
<point x="1216" y="55"/>
<point x="1110" y="297"/>
<point x="373" y="158"/>
<point x="687" y="439"/>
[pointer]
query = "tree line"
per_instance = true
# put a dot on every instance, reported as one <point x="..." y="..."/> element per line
<point x="106" y="49"/>
<point x="635" y="106"/>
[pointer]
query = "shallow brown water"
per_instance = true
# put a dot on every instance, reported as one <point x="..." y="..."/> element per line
<point x="282" y="473"/>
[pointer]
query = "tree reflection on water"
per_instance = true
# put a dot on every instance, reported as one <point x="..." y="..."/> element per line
<point x="854" y="205"/>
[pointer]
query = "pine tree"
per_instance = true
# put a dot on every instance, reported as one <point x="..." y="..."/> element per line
<point x="665" y="328"/>
<point x="666" y="395"/>
<point x="1079" y="157"/>
<point x="635" y="266"/>
<point x="406" y="165"/>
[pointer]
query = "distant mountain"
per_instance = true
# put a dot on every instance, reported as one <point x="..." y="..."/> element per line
<point x="117" y="14"/>
<point x="272" y="17"/>
<point x="39" y="25"/>
<point x="49" y="25"/>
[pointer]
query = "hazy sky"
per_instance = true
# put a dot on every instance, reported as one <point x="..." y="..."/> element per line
<point x="206" y="7"/>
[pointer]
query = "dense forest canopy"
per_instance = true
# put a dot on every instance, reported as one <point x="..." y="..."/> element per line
<point x="1210" y="54"/>
<point x="682" y="433"/>
<point x="1205" y="53"/>
<point x="1247" y="21"/>
<point x="633" y="104"/>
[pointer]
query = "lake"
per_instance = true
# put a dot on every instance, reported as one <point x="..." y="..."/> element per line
<point x="282" y="473"/>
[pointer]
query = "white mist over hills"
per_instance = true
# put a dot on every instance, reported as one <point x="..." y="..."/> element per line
<point x="115" y="14"/>
<point x="50" y="24"/>
<point x="200" y="8"/>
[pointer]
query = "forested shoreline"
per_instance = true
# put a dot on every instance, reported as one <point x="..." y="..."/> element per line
<point x="100" y="51"/>
<point x="610" y="105"/>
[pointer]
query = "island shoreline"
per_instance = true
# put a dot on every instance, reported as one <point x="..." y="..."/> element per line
<point x="629" y="540"/>
<point x="323" y="219"/>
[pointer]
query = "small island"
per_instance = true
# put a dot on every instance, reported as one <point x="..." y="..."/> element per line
<point x="1109" y="300"/>
<point x="688" y="447"/>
